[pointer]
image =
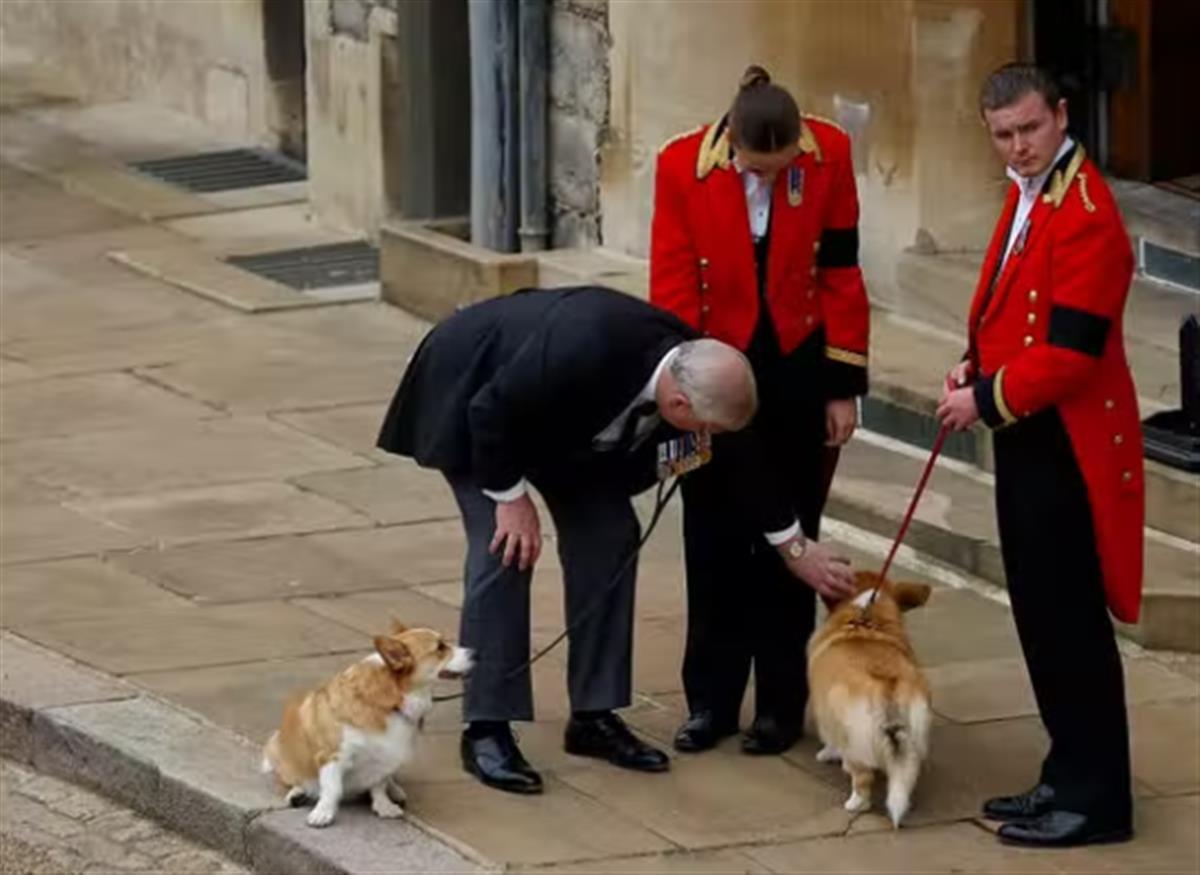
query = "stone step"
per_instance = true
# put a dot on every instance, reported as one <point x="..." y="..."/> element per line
<point x="956" y="523"/>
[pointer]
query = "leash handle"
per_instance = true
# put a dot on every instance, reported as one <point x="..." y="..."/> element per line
<point x="912" y="505"/>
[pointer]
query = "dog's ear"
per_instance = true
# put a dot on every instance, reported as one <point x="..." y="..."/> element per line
<point x="911" y="595"/>
<point x="395" y="655"/>
<point x="398" y="627"/>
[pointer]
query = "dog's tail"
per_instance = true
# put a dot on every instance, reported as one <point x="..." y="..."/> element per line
<point x="903" y="744"/>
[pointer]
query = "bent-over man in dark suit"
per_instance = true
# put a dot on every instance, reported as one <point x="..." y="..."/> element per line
<point x="571" y="391"/>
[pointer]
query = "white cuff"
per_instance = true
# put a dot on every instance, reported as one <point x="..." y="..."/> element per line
<point x="782" y="536"/>
<point x="510" y="494"/>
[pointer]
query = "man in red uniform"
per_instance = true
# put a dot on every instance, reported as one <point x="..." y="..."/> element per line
<point x="755" y="243"/>
<point x="1046" y="369"/>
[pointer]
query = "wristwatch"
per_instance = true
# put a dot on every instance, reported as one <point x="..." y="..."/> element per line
<point x="796" y="547"/>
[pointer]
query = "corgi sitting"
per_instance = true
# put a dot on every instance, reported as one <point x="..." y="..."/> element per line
<point x="352" y="734"/>
<point x="869" y="697"/>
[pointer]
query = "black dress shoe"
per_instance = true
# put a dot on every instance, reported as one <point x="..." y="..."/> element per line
<point x="1023" y="806"/>
<point x="496" y="761"/>
<point x="1065" y="829"/>
<point x="702" y="731"/>
<point x="605" y="736"/>
<point x="770" y="736"/>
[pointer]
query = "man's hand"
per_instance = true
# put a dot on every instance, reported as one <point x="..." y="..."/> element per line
<point x="822" y="569"/>
<point x="962" y="374"/>
<point x="958" y="409"/>
<point x="841" y="416"/>
<point x="518" y="531"/>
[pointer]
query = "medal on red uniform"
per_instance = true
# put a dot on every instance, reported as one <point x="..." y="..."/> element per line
<point x="680" y="455"/>
<point x="795" y="185"/>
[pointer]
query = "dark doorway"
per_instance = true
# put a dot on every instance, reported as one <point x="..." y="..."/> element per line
<point x="284" y="49"/>
<point x="1127" y="68"/>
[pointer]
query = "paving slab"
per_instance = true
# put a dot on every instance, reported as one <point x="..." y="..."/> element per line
<point x="995" y="689"/>
<point x="940" y="849"/>
<point x="351" y="426"/>
<point x="571" y="826"/>
<point x="295" y="379"/>
<point x="1159" y="760"/>
<point x="34" y="530"/>
<point x="720" y="799"/>
<point x="358" y="842"/>
<point x="388" y="494"/>
<point x="91" y="403"/>
<point x="76" y="589"/>
<point x="238" y="510"/>
<point x="141" y="460"/>
<point x="276" y="567"/>
<point x="179" y="638"/>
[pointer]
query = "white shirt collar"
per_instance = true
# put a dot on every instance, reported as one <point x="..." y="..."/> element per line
<point x="1031" y="185"/>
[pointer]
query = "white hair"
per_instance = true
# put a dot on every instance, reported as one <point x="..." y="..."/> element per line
<point x="717" y="381"/>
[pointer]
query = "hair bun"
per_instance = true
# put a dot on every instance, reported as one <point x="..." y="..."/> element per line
<point x="753" y="77"/>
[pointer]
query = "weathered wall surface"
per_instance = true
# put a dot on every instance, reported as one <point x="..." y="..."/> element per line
<point x="578" y="118"/>
<point x="911" y="68"/>
<point x="207" y="59"/>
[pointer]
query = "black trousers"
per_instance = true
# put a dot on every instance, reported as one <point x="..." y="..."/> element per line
<point x="1057" y="593"/>
<point x="596" y="530"/>
<point x="744" y="607"/>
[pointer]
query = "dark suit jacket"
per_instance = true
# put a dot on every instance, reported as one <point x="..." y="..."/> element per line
<point x="520" y="385"/>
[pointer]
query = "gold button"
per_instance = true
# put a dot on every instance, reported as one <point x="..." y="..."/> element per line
<point x="1032" y="295"/>
<point x="1126" y="476"/>
<point x="1029" y="340"/>
<point x="1032" y="317"/>
<point x="1109" y="404"/>
<point x="1118" y="439"/>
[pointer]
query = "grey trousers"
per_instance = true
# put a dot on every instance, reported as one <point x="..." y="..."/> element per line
<point x="596" y="530"/>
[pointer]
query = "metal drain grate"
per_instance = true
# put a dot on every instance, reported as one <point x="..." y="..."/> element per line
<point x="315" y="267"/>
<point x="220" y="171"/>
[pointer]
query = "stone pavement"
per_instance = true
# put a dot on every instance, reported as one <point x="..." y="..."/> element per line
<point x="51" y="827"/>
<point x="192" y="505"/>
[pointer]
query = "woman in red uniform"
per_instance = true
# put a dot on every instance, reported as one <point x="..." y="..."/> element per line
<point x="755" y="242"/>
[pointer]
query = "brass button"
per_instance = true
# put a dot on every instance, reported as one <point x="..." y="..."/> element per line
<point x="1032" y="295"/>
<point x="1032" y="317"/>
<point x="1118" y="439"/>
<point x="1029" y="340"/>
<point x="1109" y="404"/>
<point x="1126" y="476"/>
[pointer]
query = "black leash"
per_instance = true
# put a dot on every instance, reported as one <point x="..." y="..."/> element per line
<point x="661" y="499"/>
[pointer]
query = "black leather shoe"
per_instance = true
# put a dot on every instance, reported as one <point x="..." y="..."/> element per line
<point x="703" y="731"/>
<point x="1064" y="829"/>
<point x="496" y="761"/>
<point x="769" y="736"/>
<point x="605" y="736"/>
<point x="1023" y="806"/>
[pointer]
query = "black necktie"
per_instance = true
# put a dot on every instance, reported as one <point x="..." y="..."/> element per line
<point x="628" y="438"/>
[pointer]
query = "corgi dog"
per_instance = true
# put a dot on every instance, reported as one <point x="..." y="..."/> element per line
<point x="870" y="700"/>
<point x="351" y="734"/>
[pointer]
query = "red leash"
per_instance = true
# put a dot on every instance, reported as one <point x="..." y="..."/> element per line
<point x="912" y="505"/>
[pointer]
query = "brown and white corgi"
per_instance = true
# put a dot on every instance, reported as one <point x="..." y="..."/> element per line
<point x="869" y="698"/>
<point x="351" y="734"/>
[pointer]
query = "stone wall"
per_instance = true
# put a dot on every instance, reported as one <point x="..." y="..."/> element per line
<point x="208" y="60"/>
<point x="578" y="118"/>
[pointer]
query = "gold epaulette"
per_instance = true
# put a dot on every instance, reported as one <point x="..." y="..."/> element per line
<point x="1060" y="182"/>
<point x="714" y="149"/>
<point x="679" y="137"/>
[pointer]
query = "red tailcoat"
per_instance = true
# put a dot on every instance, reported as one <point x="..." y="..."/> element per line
<point x="702" y="265"/>
<point x="1047" y="331"/>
